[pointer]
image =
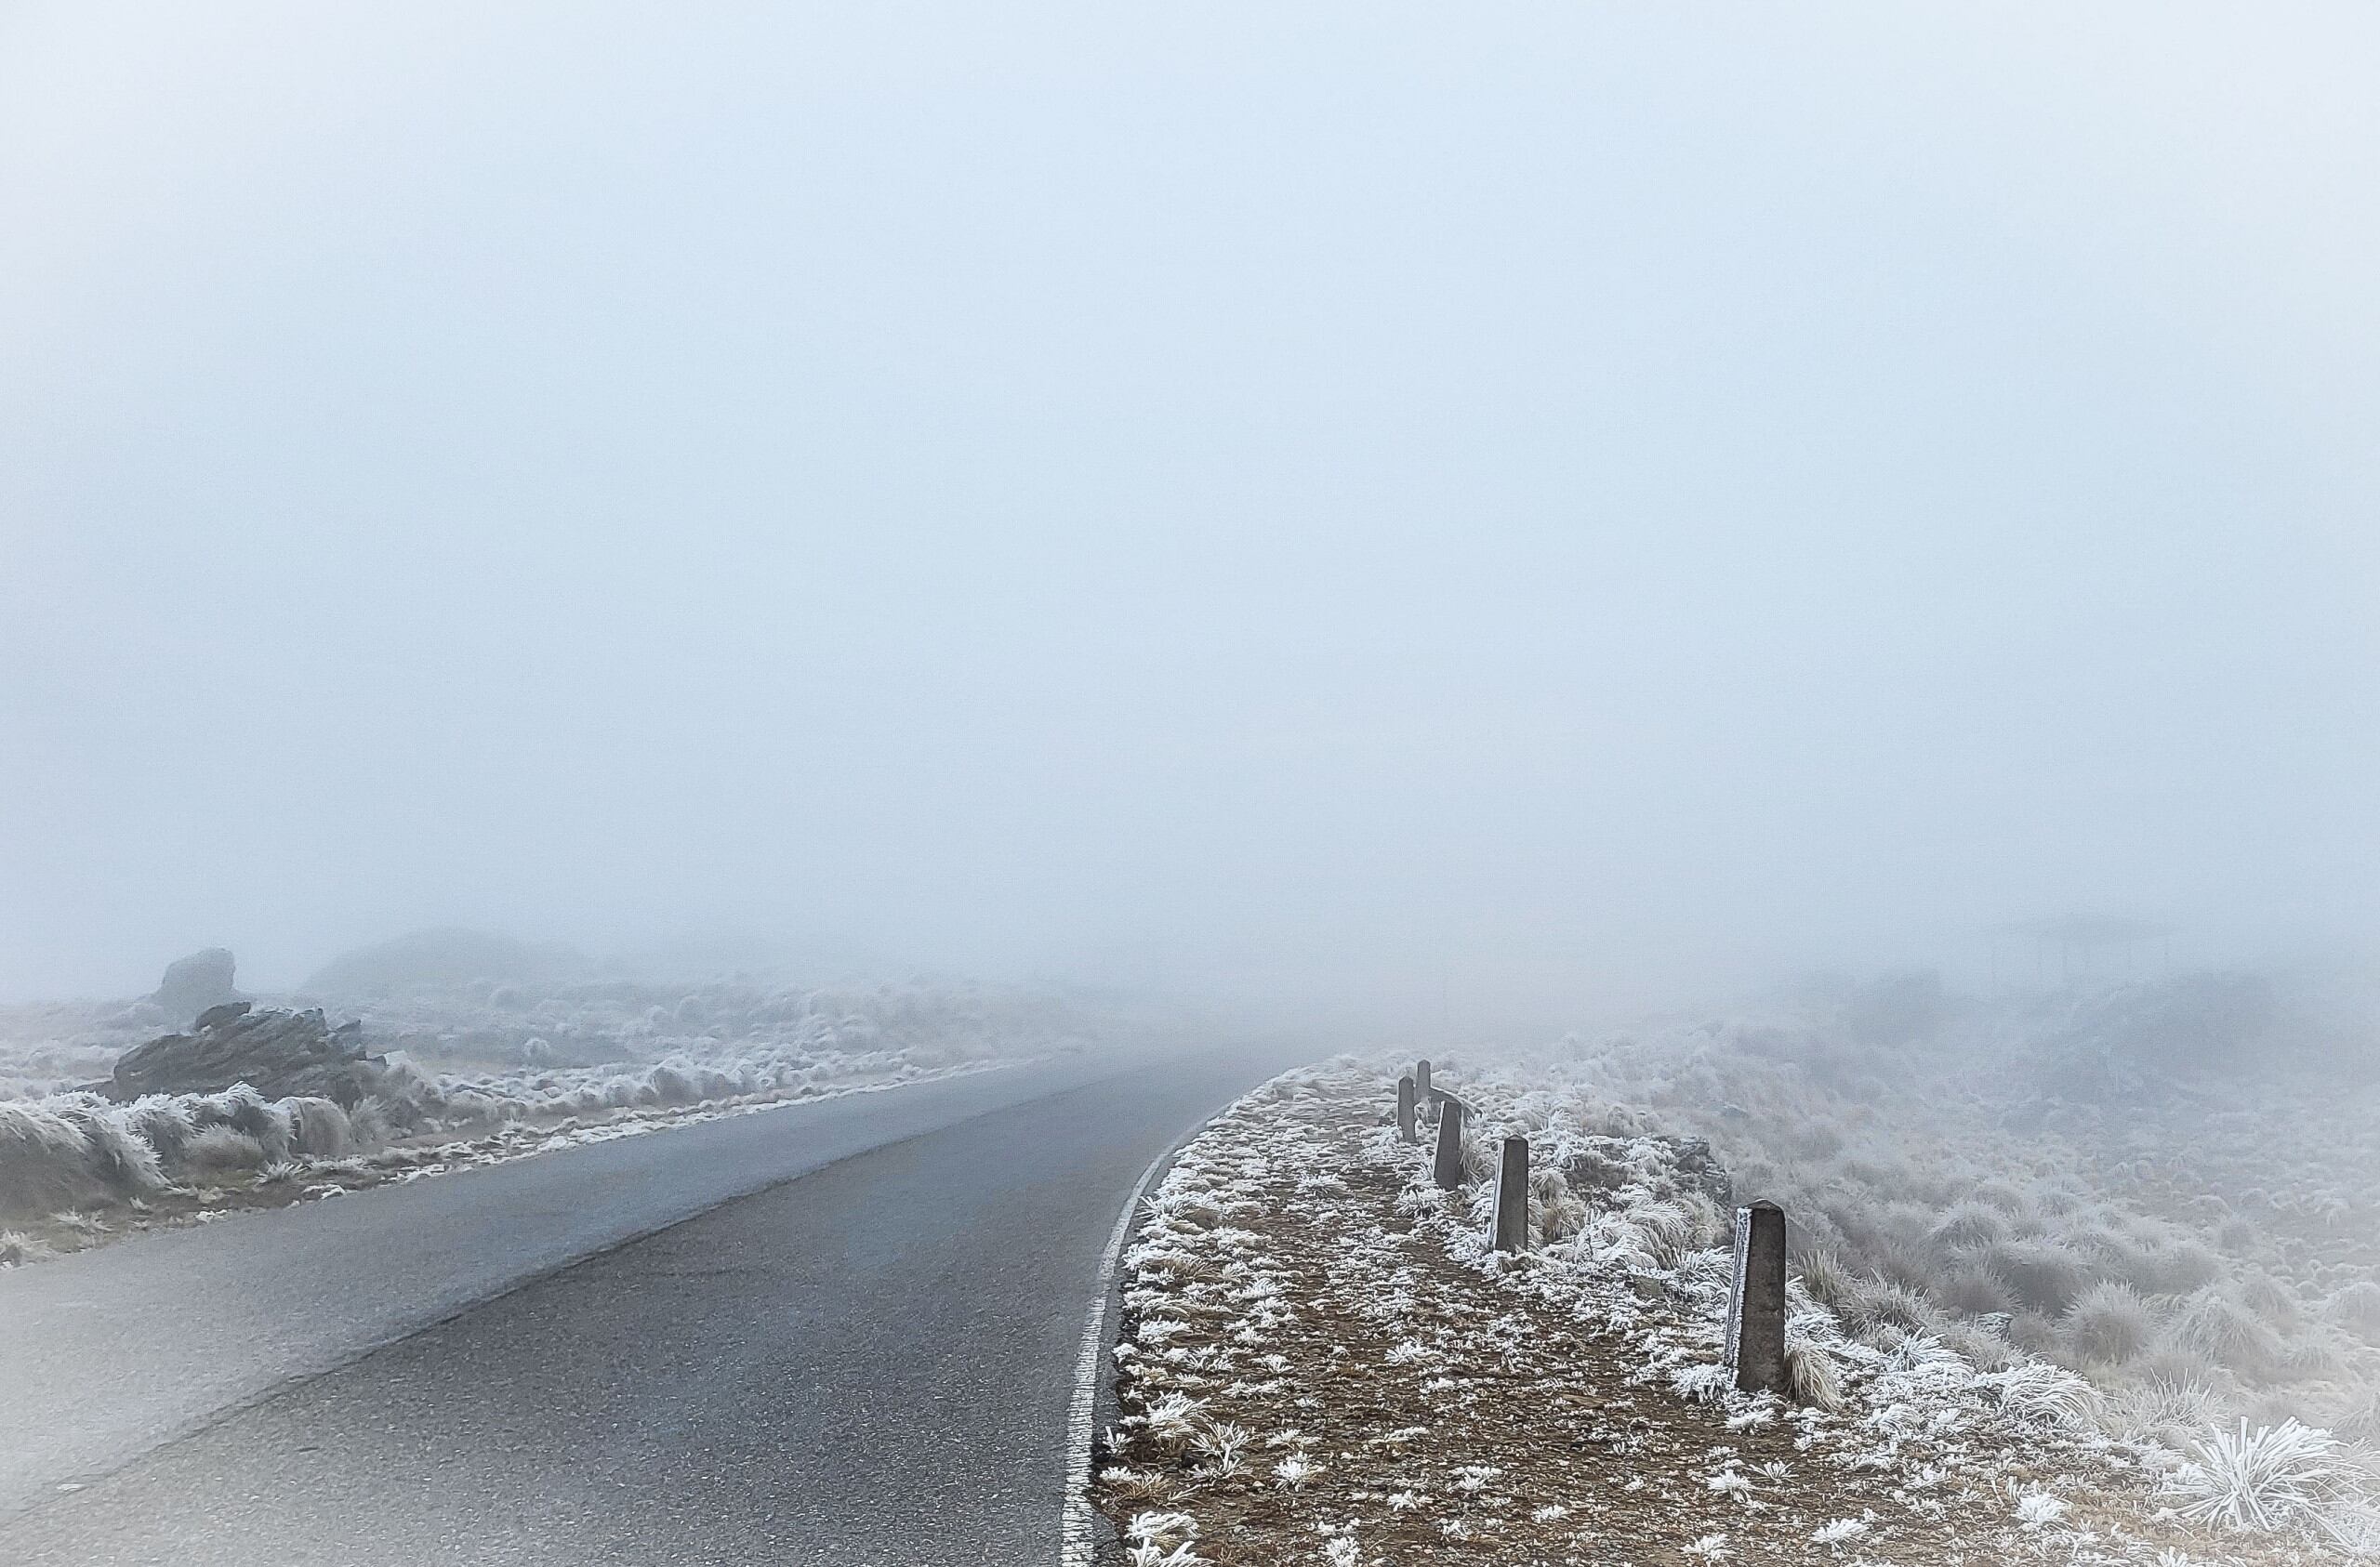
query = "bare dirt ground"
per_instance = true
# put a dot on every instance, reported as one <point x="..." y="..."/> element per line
<point x="1322" y="1362"/>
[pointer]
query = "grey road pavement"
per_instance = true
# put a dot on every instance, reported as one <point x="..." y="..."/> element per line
<point x="838" y="1332"/>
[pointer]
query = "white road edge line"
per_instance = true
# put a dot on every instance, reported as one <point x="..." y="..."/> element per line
<point x="1077" y="1545"/>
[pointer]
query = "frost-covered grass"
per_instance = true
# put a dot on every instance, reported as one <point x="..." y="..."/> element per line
<point x="2278" y="1479"/>
<point x="475" y="1072"/>
<point x="2160" y="1186"/>
<point x="1412" y="1395"/>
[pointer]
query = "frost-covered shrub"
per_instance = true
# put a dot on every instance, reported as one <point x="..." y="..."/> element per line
<point x="2173" y="1413"/>
<point x="2229" y="1335"/>
<point x="2131" y="1039"/>
<point x="1973" y="1225"/>
<point x="1974" y="1291"/>
<point x="460" y="1058"/>
<point x="71" y="1151"/>
<point x="1813" y="1376"/>
<point x="321" y="1127"/>
<point x="221" y="1148"/>
<point x="2111" y="1323"/>
<point x="114" y="1153"/>
<point x="44" y="1160"/>
<point x="2044" y="1274"/>
<point x="2049" y="1394"/>
<point x="2167" y="1265"/>
<point x="2277" y="1478"/>
<point x="2356" y="1308"/>
<point x="1827" y="1280"/>
<point x="1975" y="1186"/>
<point x="241" y="1108"/>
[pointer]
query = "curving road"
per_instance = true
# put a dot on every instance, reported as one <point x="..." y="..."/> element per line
<point x="841" y="1331"/>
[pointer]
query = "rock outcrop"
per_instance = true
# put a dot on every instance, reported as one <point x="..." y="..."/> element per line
<point x="280" y="1054"/>
<point x="196" y="984"/>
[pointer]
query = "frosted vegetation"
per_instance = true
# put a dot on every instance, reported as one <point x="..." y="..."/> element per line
<point x="2163" y="1188"/>
<point x="1296" y="1365"/>
<point x="505" y="1064"/>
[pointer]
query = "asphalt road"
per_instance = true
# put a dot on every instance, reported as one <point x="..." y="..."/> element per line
<point x="853" y="1343"/>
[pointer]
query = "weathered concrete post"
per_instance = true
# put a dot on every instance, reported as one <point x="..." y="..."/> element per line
<point x="1511" y="1197"/>
<point x="1756" y="1315"/>
<point x="1421" y="1095"/>
<point x="1447" y="1167"/>
<point x="1405" y="1107"/>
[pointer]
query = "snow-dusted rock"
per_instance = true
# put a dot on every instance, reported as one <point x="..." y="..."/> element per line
<point x="282" y="1055"/>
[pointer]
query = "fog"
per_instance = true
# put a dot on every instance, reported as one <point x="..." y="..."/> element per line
<point x="1405" y="506"/>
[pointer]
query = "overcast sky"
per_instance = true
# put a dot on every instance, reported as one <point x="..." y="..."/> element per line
<point x="1633" y="493"/>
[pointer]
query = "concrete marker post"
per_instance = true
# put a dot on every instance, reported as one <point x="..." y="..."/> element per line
<point x="1405" y="1108"/>
<point x="1448" y="1168"/>
<point x="1421" y="1094"/>
<point x="1511" y="1197"/>
<point x="1756" y="1312"/>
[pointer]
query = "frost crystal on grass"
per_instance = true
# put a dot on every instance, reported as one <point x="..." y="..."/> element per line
<point x="1402" y="1350"/>
<point x="1292" y="1472"/>
<point x="2035" y="1392"/>
<point x="2279" y="1477"/>
<point x="1835" y="1535"/>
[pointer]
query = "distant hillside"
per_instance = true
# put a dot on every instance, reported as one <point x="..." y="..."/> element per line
<point x="440" y="958"/>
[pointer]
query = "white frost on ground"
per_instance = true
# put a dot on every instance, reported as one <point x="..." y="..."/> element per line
<point x="477" y="1074"/>
<point x="2171" y="1189"/>
<point x="1908" y="1449"/>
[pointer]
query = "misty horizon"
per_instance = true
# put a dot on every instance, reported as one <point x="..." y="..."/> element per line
<point x="1591" y="509"/>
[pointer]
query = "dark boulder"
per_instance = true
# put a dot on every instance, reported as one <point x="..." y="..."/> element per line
<point x="1700" y="1166"/>
<point x="279" y="1054"/>
<point x="196" y="984"/>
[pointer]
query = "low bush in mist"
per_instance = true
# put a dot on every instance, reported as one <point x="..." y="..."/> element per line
<point x="2163" y="1188"/>
<point x="462" y="1062"/>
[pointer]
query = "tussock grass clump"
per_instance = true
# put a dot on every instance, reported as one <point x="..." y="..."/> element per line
<point x="2045" y="1275"/>
<point x="2270" y="1300"/>
<point x="70" y="1153"/>
<point x="2037" y="1391"/>
<point x="2111" y="1323"/>
<point x="2010" y="1199"/>
<point x="2163" y="1410"/>
<point x="2172" y="1266"/>
<point x="2065" y="1176"/>
<point x="246" y="1112"/>
<point x="2277" y="1478"/>
<point x="2357" y="1308"/>
<point x="1976" y="1292"/>
<point x="1879" y="1305"/>
<point x="163" y="1120"/>
<point x="44" y="1160"/>
<point x="1813" y="1376"/>
<point x="1982" y="1348"/>
<point x="116" y="1155"/>
<point x="2229" y="1335"/>
<point x="1973" y="1224"/>
<point x="321" y="1128"/>
<point x="1828" y="1282"/>
<point x="223" y="1148"/>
